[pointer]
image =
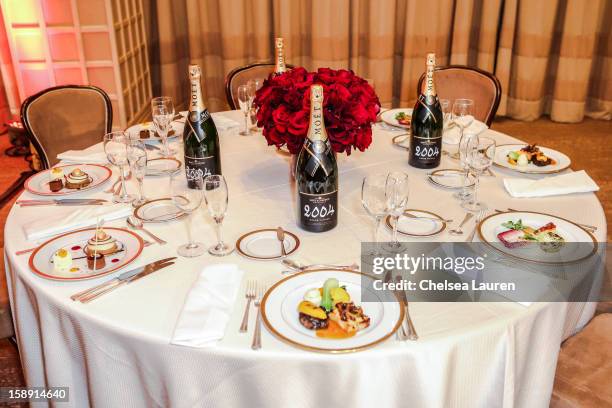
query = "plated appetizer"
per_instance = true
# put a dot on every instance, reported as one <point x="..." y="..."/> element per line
<point x="403" y="118"/>
<point x="330" y="311"/>
<point x="529" y="154"/>
<point x="519" y="235"/>
<point x="77" y="179"/>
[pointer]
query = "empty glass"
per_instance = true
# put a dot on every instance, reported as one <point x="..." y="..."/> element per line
<point x="137" y="158"/>
<point x="115" y="147"/>
<point x="462" y="114"/>
<point x="397" y="189"/>
<point x="480" y="154"/>
<point x="188" y="200"/>
<point x="375" y="202"/>
<point x="254" y="85"/>
<point x="216" y="196"/>
<point x="446" y="112"/>
<point x="245" y="99"/>
<point x="462" y="151"/>
<point x="162" y="110"/>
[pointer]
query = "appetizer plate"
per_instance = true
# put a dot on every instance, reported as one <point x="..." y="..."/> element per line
<point x="160" y="210"/>
<point x="389" y="117"/>
<point x="402" y="141"/>
<point x="280" y="315"/>
<point x="177" y="126"/>
<point x="431" y="224"/>
<point x="571" y="252"/>
<point x="449" y="178"/>
<point x="129" y="244"/>
<point x="501" y="160"/>
<point x="164" y="166"/>
<point x="264" y="245"/>
<point x="39" y="182"/>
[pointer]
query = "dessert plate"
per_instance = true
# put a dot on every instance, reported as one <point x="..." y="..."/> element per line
<point x="177" y="127"/>
<point x="164" y="166"/>
<point x="501" y="160"/>
<point x="264" y="245"/>
<point x="430" y="223"/>
<point x="39" y="183"/>
<point x="449" y="178"/>
<point x="389" y="117"/>
<point x="129" y="245"/>
<point x="280" y="315"/>
<point x="579" y="244"/>
<point x="160" y="210"/>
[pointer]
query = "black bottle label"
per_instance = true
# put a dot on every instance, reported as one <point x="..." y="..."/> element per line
<point x="318" y="212"/>
<point x="425" y="152"/>
<point x="200" y="167"/>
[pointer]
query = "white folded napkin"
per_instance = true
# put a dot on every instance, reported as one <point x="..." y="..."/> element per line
<point x="453" y="134"/>
<point x="208" y="307"/>
<point x="223" y="122"/>
<point x="68" y="219"/>
<point x="83" y="156"/>
<point x="575" y="182"/>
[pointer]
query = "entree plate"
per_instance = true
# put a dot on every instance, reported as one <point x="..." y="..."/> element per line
<point x="39" y="183"/>
<point x="163" y="166"/>
<point x="578" y="245"/>
<point x="129" y="247"/>
<point x="279" y="310"/>
<point x="501" y="159"/>
<point x="425" y="223"/>
<point x="159" y="210"/>
<point x="389" y="117"/>
<point x="264" y="245"/>
<point x="450" y="178"/>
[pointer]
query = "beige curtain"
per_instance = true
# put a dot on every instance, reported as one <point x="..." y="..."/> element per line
<point x="551" y="56"/>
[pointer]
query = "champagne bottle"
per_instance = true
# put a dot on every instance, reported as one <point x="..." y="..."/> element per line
<point x="426" y="125"/>
<point x="279" y="51"/>
<point x="317" y="173"/>
<point x="200" y="136"/>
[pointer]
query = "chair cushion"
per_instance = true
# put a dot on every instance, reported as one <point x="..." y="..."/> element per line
<point x="584" y="369"/>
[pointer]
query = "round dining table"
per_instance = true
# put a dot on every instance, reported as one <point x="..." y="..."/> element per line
<point x="116" y="351"/>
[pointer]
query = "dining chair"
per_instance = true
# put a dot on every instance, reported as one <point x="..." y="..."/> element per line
<point x="69" y="117"/>
<point x="459" y="81"/>
<point x="240" y="75"/>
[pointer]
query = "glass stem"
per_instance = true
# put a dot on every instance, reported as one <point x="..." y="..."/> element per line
<point x="189" y="236"/>
<point x="476" y="182"/>
<point x="378" y="219"/>
<point x="246" y="122"/>
<point x="140" y="189"/>
<point x="165" y="143"/>
<point x="122" y="175"/>
<point x="395" y="222"/>
<point x="218" y="228"/>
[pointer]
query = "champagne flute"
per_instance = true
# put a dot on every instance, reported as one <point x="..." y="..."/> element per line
<point x="480" y="154"/>
<point x="188" y="199"/>
<point x="163" y="112"/>
<point x="244" y="99"/>
<point x="115" y="147"/>
<point x="254" y="85"/>
<point x="464" y="144"/>
<point x="216" y="196"/>
<point x="446" y="114"/>
<point x="374" y="201"/>
<point x="137" y="158"/>
<point x="397" y="189"/>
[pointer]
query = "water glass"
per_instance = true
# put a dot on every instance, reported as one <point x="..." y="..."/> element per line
<point x="162" y="110"/>
<point x="217" y="199"/>
<point x="480" y="154"/>
<point x="188" y="200"/>
<point x="137" y="158"/>
<point x="464" y="143"/>
<point x="115" y="147"/>
<point x="397" y="189"/>
<point x="375" y="202"/>
<point x="245" y="100"/>
<point x="463" y="113"/>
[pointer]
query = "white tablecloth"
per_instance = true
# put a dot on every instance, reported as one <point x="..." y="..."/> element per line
<point x="115" y="352"/>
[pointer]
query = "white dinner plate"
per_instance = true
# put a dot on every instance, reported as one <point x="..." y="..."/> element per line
<point x="177" y="126"/>
<point x="280" y="315"/>
<point x="39" y="182"/>
<point x="264" y="245"/>
<point x="160" y="210"/>
<point x="501" y="159"/>
<point x="449" y="178"/>
<point x="430" y="224"/>
<point x="491" y="226"/>
<point x="129" y="244"/>
<point x="389" y="117"/>
<point x="163" y="166"/>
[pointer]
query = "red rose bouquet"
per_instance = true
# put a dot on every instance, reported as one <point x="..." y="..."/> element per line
<point x="350" y="107"/>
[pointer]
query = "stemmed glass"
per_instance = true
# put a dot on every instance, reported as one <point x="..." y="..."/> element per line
<point x="188" y="199"/>
<point x="446" y="113"/>
<point x="137" y="158"/>
<point x="245" y="99"/>
<point x="254" y="85"/>
<point x="115" y="147"/>
<point x="375" y="202"/>
<point x="480" y="154"/>
<point x="464" y="143"/>
<point x="397" y="189"/>
<point x="216" y="196"/>
<point x="462" y="114"/>
<point x="163" y="112"/>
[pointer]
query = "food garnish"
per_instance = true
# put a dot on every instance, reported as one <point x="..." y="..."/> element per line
<point x="519" y="234"/>
<point x="403" y="118"/>
<point x="529" y="154"/>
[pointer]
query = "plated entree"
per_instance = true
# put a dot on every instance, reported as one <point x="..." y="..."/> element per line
<point x="519" y="234"/>
<point x="330" y="312"/>
<point x="530" y="154"/>
<point x="403" y="118"/>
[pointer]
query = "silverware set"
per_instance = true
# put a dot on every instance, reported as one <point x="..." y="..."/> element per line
<point x="256" y="344"/>
<point x="62" y="202"/>
<point x="481" y="216"/>
<point x="297" y="267"/>
<point x="253" y="292"/>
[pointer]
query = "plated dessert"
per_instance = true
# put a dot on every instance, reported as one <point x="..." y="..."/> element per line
<point x="101" y="243"/>
<point x="519" y="234"/>
<point x="529" y="154"/>
<point x="77" y="179"/>
<point x="63" y="180"/>
<point x="96" y="250"/>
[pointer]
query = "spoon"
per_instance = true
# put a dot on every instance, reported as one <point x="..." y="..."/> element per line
<point x="458" y="230"/>
<point x="137" y="224"/>
<point x="280" y="234"/>
<point x="296" y="266"/>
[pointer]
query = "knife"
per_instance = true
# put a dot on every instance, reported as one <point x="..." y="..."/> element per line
<point x="66" y="201"/>
<point x="125" y="277"/>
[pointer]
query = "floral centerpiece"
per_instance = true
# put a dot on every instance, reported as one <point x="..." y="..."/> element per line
<point x="350" y="107"/>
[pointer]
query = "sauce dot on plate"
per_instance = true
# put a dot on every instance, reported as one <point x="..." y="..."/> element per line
<point x="115" y="260"/>
<point x="74" y="269"/>
<point x="76" y="247"/>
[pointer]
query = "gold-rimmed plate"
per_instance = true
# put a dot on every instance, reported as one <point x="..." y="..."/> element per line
<point x="159" y="210"/>
<point x="163" y="166"/>
<point x="402" y="141"/>
<point x="451" y="179"/>
<point x="389" y="117"/>
<point x="421" y="224"/>
<point x="501" y="160"/>
<point x="280" y="315"/>
<point x="263" y="244"/>
<point x="39" y="183"/>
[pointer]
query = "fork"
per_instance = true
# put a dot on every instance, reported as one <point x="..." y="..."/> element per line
<point x="479" y="218"/>
<point x="249" y="294"/>
<point x="256" y="345"/>
<point x="591" y="228"/>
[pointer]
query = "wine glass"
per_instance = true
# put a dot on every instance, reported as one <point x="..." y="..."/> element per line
<point x="188" y="199"/>
<point x="480" y="154"/>
<point x="464" y="143"/>
<point x="137" y="158"/>
<point x="397" y="189"/>
<point x="163" y="113"/>
<point x="245" y="99"/>
<point x="254" y="85"/>
<point x="462" y="114"/>
<point x="375" y="202"/>
<point x="115" y="147"/>
<point x="446" y="113"/>
<point x="216" y="196"/>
